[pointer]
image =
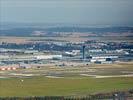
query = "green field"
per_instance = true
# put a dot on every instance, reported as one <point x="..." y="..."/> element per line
<point x="42" y="86"/>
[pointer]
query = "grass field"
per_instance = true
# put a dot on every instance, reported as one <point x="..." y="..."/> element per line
<point x="42" y="86"/>
<point x="66" y="81"/>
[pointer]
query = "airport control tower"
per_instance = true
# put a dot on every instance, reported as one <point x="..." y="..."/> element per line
<point x="83" y="52"/>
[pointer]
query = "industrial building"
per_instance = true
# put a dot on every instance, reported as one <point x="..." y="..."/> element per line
<point x="103" y="59"/>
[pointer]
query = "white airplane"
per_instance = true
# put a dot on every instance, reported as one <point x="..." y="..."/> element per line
<point x="71" y="53"/>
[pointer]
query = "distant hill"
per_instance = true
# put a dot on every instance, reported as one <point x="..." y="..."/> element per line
<point x="28" y="31"/>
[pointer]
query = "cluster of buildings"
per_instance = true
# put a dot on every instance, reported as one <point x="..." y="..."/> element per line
<point x="85" y="52"/>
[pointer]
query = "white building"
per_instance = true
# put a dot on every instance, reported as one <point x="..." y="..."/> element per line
<point x="102" y="59"/>
<point x="39" y="57"/>
<point x="94" y="60"/>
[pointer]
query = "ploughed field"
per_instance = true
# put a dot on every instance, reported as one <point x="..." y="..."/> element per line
<point x="74" y="38"/>
<point x="67" y="81"/>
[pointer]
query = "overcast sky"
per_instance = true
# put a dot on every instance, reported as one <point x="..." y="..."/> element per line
<point x="92" y="12"/>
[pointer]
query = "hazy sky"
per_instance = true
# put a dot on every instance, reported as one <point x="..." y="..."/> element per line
<point x="92" y="12"/>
